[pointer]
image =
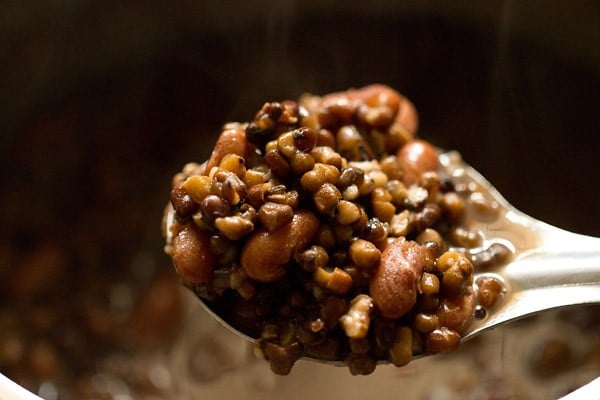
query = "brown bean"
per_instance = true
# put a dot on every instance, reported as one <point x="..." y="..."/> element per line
<point x="400" y="353"/>
<point x="326" y="199"/>
<point x="282" y="358"/>
<point x="312" y="258"/>
<point x="442" y="340"/>
<point x="394" y="284"/>
<point x="305" y="139"/>
<point x="192" y="256"/>
<point x="361" y="364"/>
<point x="265" y="254"/>
<point x="407" y="117"/>
<point x="273" y="215"/>
<point x="380" y="105"/>
<point x="416" y="157"/>
<point x="456" y="312"/>
<point x="231" y="141"/>
<point x="364" y="254"/>
<point x="182" y="202"/>
<point x="489" y="290"/>
<point x="338" y="106"/>
<point x="338" y="281"/>
<point x="319" y="175"/>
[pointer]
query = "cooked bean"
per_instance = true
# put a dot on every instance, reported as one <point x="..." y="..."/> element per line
<point x="361" y="364"/>
<point x="489" y="290"/>
<point x="277" y="163"/>
<point x="401" y="224"/>
<point x="426" y="323"/>
<point x="357" y="319"/>
<point x="197" y="186"/>
<point x="301" y="163"/>
<point x="495" y="255"/>
<point x="394" y="284"/>
<point x="456" y="312"/>
<point x="325" y="138"/>
<point x="234" y="163"/>
<point x="290" y="198"/>
<point x="347" y="212"/>
<point x="328" y="349"/>
<point x="416" y="157"/>
<point x="485" y="209"/>
<point x="318" y="176"/>
<point x="327" y="156"/>
<point x="332" y="308"/>
<point x="214" y="207"/>
<point x="430" y="235"/>
<point x="429" y="284"/>
<point x="182" y="202"/>
<point x="465" y="237"/>
<point x="337" y="107"/>
<point x="364" y="254"/>
<point x="441" y="341"/>
<point x="351" y="144"/>
<point x="392" y="167"/>
<point x="231" y="141"/>
<point x="427" y="217"/>
<point x="430" y="181"/>
<point x="453" y="206"/>
<point x="281" y="358"/>
<point x="265" y="254"/>
<point x="326" y="199"/>
<point x="273" y="215"/>
<point x="192" y="256"/>
<point x="234" y="227"/>
<point x="374" y="232"/>
<point x="338" y="281"/>
<point x="350" y="176"/>
<point x="401" y="351"/>
<point x="359" y="346"/>
<point x="233" y="190"/>
<point x="456" y="272"/>
<point x="381" y="105"/>
<point x="312" y="258"/>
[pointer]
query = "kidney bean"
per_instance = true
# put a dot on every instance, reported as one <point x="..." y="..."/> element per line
<point x="394" y="284"/>
<point x="192" y="256"/>
<point x="416" y="157"/>
<point x="265" y="254"/>
<point x="231" y="141"/>
<point x="456" y="312"/>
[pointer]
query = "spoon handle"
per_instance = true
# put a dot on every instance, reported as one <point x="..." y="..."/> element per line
<point x="564" y="261"/>
<point x="553" y="268"/>
<point x="564" y="270"/>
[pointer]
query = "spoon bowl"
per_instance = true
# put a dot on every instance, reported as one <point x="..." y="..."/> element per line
<point x="550" y="267"/>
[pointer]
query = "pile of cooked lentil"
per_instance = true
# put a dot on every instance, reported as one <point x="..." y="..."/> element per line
<point x="324" y="228"/>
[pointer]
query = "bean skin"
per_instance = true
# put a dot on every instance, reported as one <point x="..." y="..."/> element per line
<point x="192" y="256"/>
<point x="265" y="254"/>
<point x="231" y="141"/>
<point x="456" y="312"/>
<point x="416" y="157"/>
<point x="407" y="115"/>
<point x="394" y="284"/>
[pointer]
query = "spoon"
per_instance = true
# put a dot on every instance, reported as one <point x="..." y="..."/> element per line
<point x="551" y="267"/>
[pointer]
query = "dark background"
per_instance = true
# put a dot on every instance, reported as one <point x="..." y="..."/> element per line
<point x="102" y="102"/>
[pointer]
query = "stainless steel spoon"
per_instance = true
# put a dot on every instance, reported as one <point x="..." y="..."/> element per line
<point x="551" y="267"/>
